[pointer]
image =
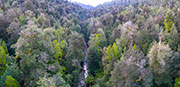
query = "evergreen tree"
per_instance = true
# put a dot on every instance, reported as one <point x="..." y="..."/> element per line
<point x="35" y="50"/>
<point x="131" y="71"/>
<point x="164" y="63"/>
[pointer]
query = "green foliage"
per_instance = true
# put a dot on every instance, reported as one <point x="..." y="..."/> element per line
<point x="35" y="48"/>
<point x="168" y="22"/>
<point x="75" y="54"/>
<point x="171" y="33"/>
<point x="58" y="49"/>
<point x="177" y="82"/>
<point x="2" y="60"/>
<point x="5" y="47"/>
<point x="96" y="43"/>
<point x="160" y="57"/>
<point x="94" y="57"/>
<point x="12" y="69"/>
<point x="171" y="38"/>
<point x="60" y="34"/>
<point x="53" y="57"/>
<point x="76" y="77"/>
<point x="144" y="40"/>
<point x="46" y="82"/>
<point x="1" y="10"/>
<point x="113" y="52"/>
<point x="75" y="20"/>
<point x="123" y="12"/>
<point x="7" y="4"/>
<point x="11" y="82"/>
<point x="131" y="71"/>
<point x="98" y="39"/>
<point x="76" y="28"/>
<point x="134" y="47"/>
<point x="43" y="21"/>
<point x="90" y="80"/>
<point x="60" y="82"/>
<point x="21" y="20"/>
<point x="129" y="33"/>
<point x="55" y="81"/>
<point x="128" y="71"/>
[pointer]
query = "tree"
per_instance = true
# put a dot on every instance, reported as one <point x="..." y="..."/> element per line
<point x="115" y="34"/>
<point x="96" y="44"/>
<point x="43" y="21"/>
<point x="12" y="30"/>
<point x="164" y="63"/>
<point x="2" y="60"/>
<point x="94" y="57"/>
<point x="22" y="20"/>
<point x="170" y="33"/>
<point x="111" y="55"/>
<point x="12" y="70"/>
<point x="76" y="52"/>
<point x="60" y="82"/>
<point x="128" y="32"/>
<point x="58" y="49"/>
<point x="5" y="47"/>
<point x="35" y="50"/>
<point x="76" y="28"/>
<point x="98" y="39"/>
<point x="74" y="57"/>
<point x="168" y="22"/>
<point x="46" y="82"/>
<point x="177" y="84"/>
<point x="11" y="82"/>
<point x="131" y="71"/>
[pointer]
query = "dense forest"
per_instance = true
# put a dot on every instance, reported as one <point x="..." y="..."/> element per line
<point x="58" y="43"/>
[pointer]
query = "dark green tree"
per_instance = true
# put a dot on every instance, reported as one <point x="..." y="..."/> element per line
<point x="74" y="57"/>
<point x="96" y="44"/>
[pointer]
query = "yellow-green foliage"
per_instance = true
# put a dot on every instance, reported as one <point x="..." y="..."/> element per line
<point x="177" y="82"/>
<point x="1" y="10"/>
<point x="168" y="22"/>
<point x="21" y="20"/>
<point x="2" y="60"/>
<point x="123" y="12"/>
<point x="113" y="52"/>
<point x="97" y="42"/>
<point x="4" y="46"/>
<point x="11" y="82"/>
<point x="58" y="49"/>
<point x="46" y="82"/>
<point x="7" y="4"/>
<point x="59" y="33"/>
<point x="134" y="47"/>
<point x="98" y="39"/>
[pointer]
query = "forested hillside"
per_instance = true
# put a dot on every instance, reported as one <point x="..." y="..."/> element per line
<point x="122" y="43"/>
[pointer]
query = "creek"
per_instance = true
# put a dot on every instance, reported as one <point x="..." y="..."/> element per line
<point x="84" y="72"/>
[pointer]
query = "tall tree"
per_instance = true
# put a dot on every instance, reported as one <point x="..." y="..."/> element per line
<point x="96" y="44"/>
<point x="34" y="48"/>
<point x="164" y="63"/>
